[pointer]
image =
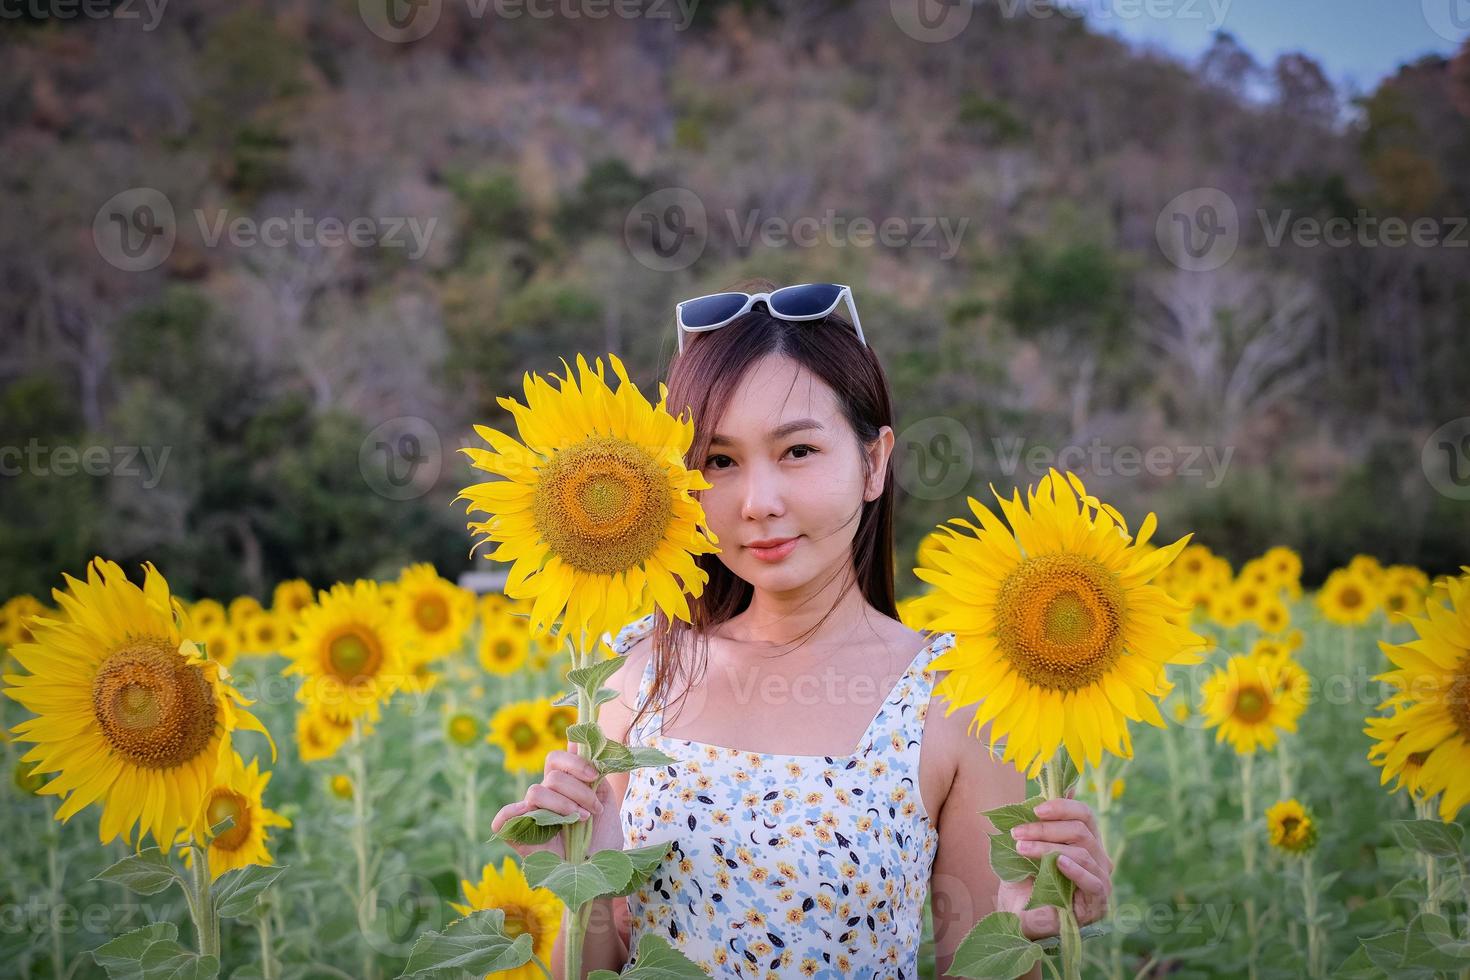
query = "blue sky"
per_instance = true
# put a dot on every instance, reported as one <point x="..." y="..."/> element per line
<point x="1355" y="40"/>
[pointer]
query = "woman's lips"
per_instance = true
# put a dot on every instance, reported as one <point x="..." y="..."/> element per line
<point x="777" y="553"/>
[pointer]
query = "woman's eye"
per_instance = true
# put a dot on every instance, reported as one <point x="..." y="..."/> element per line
<point x="810" y="449"/>
<point x="709" y="462"/>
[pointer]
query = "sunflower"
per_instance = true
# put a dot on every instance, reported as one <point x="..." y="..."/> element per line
<point x="1058" y="633"/>
<point x="127" y="711"/>
<point x="557" y="718"/>
<point x="321" y="731"/>
<point x="527" y="910"/>
<point x="1293" y="829"/>
<point x="351" y="648"/>
<point x="1284" y="563"/>
<point x="1273" y="616"/>
<point x="1432" y="703"/>
<point x="1405" y="590"/>
<point x="208" y="616"/>
<point x="1224" y="607"/>
<point x="237" y="793"/>
<point x="1408" y="770"/>
<point x="519" y="729"/>
<point x="436" y="611"/>
<point x="290" y="598"/>
<point x="504" y="647"/>
<point x="462" y="728"/>
<point x="1347" y="598"/>
<point x="596" y="508"/>
<point x="219" y="643"/>
<point x="242" y="606"/>
<point x="15" y="618"/>
<point x="1245" y="703"/>
<point x="341" y="786"/>
<point x="263" y="633"/>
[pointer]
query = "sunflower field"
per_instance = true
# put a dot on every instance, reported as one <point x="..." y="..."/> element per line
<point x="301" y="787"/>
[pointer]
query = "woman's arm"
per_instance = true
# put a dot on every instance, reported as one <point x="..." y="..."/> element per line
<point x="962" y="886"/>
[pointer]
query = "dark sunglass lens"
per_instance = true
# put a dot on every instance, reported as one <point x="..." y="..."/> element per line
<point x="712" y="309"/>
<point x="807" y="300"/>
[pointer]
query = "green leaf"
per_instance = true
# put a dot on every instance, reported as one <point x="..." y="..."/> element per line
<point x="589" y="734"/>
<point x="1429" y="836"/>
<point x="635" y="758"/>
<point x="475" y="944"/>
<point x="1409" y="890"/>
<point x="656" y="960"/>
<point x="604" y="695"/>
<point x="1052" y="887"/>
<point x="1358" y="967"/>
<point x="1014" y="814"/>
<point x="1067" y="774"/>
<point x="645" y="861"/>
<point x="146" y="873"/>
<point x="995" y="948"/>
<point x="236" y="891"/>
<point x="535" y="827"/>
<point x="1087" y="932"/>
<point x="1386" y="950"/>
<point x="1007" y="862"/>
<point x="1432" y="945"/>
<point x="153" y="953"/>
<point x="592" y="677"/>
<point x="578" y="882"/>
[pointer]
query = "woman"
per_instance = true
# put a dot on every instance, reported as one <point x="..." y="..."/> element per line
<point x="792" y="853"/>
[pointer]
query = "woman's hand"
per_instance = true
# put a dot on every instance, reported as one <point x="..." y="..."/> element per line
<point x="569" y="785"/>
<point x="1068" y="827"/>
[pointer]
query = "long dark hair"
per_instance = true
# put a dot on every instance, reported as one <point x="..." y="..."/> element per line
<point x="702" y="380"/>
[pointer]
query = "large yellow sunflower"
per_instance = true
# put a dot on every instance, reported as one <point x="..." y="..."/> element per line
<point x="436" y="611"/>
<point x="1248" y="703"/>
<point x="238" y="793"/>
<point x="127" y="711"/>
<point x="596" y="507"/>
<point x="527" y="910"/>
<point x="352" y="649"/>
<point x="1059" y="634"/>
<point x="1432" y="703"/>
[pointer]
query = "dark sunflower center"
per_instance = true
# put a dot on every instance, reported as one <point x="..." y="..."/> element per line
<point x="1459" y="698"/>
<point x="1252" y="704"/>
<point x="1289" y="826"/>
<point x="1060" y="620"/>
<point x="432" y="613"/>
<point x="515" y="921"/>
<point x="523" y="736"/>
<point x="603" y="505"/>
<point x="353" y="654"/>
<point x="155" y="709"/>
<point x="463" y="729"/>
<point x="1351" y="597"/>
<point x="226" y="803"/>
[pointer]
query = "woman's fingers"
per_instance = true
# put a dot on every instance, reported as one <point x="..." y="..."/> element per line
<point x="573" y="789"/>
<point x="545" y="797"/>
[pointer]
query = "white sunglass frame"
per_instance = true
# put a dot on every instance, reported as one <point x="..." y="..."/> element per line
<point x="752" y="298"/>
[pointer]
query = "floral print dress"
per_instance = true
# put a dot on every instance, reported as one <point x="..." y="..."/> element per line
<point x="787" y="865"/>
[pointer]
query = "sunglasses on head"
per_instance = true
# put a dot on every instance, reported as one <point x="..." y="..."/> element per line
<point x="809" y="301"/>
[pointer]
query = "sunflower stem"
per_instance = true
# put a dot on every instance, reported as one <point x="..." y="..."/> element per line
<point x="1431" y="864"/>
<point x="1069" y="949"/>
<point x="206" y="919"/>
<point x="1283" y="769"/>
<point x="1248" y="846"/>
<point x="357" y="762"/>
<point x="575" y="838"/>
<point x="53" y="868"/>
<point x="1314" y="935"/>
<point x="1176" y="808"/>
<point x="263" y="931"/>
<point x="471" y="816"/>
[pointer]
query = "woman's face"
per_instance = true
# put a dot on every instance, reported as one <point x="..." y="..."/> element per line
<point x="787" y="466"/>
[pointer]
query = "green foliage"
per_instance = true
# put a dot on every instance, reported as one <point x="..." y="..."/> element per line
<point x="153" y="953"/>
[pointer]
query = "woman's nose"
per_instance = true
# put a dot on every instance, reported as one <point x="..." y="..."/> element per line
<point x="762" y="494"/>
